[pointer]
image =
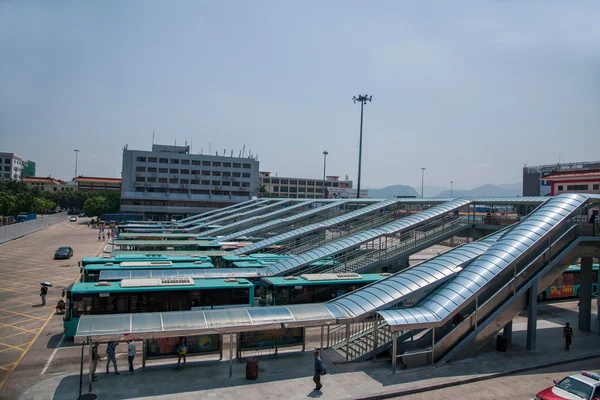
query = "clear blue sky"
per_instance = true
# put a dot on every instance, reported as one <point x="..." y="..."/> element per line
<point x="471" y="90"/>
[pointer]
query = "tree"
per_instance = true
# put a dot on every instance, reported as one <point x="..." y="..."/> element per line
<point x="113" y="198"/>
<point x="7" y="203"/>
<point x="95" y="206"/>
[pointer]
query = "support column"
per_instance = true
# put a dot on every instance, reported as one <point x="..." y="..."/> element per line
<point x="347" y="341"/>
<point x="585" y="295"/>
<point x="321" y="349"/>
<point x="508" y="332"/>
<point x="394" y="349"/>
<point x="532" y="316"/>
<point x="90" y="364"/>
<point x="230" y="354"/>
<point x="375" y="337"/>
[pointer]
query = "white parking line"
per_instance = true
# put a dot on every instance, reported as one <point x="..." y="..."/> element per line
<point x="52" y="355"/>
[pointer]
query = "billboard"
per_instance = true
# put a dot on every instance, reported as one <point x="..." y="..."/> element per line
<point x="563" y="286"/>
<point x="197" y="345"/>
<point x="345" y="193"/>
<point x="272" y="338"/>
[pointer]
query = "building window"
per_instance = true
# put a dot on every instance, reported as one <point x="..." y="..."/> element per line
<point x="7" y="161"/>
<point x="596" y="186"/>
<point x="185" y="172"/>
<point x="195" y="162"/>
<point x="185" y="162"/>
<point x="302" y="183"/>
<point x="140" y="179"/>
<point x="163" y="170"/>
<point x="163" y="160"/>
<point x="200" y="191"/>
<point x="237" y="165"/>
<point x="174" y="161"/>
<point x="284" y="189"/>
<point x="216" y="173"/>
<point x="195" y="172"/>
<point x="247" y="166"/>
<point x="206" y="163"/>
<point x="140" y="189"/>
<point x="204" y="182"/>
<point x="152" y="159"/>
<point x="226" y="183"/>
<point x="140" y="169"/>
<point x="141" y="159"/>
<point x="7" y="169"/>
<point x="162" y="180"/>
<point x="216" y="183"/>
<point x="245" y="175"/>
<point x="226" y="173"/>
<point x="577" y="187"/>
<point x="560" y="187"/>
<point x="265" y="181"/>
<point x="276" y="188"/>
<point x="335" y="184"/>
<point x="293" y="182"/>
<point x="151" y="169"/>
<point x="173" y="180"/>
<point x="195" y="182"/>
<point x="274" y="180"/>
<point x="216" y="163"/>
<point x="206" y="173"/>
<point x="173" y="171"/>
<point x="237" y="174"/>
<point x="151" y="180"/>
<point x="293" y="190"/>
<point x="227" y="164"/>
<point x="184" y="181"/>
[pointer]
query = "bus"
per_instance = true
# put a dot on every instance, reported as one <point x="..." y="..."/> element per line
<point x="120" y="219"/>
<point x="118" y="259"/>
<point x="152" y="295"/>
<point x="142" y="269"/>
<point x="165" y="245"/>
<point x="567" y="285"/>
<point x="312" y="288"/>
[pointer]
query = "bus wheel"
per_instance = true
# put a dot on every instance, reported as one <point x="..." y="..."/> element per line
<point x="542" y="296"/>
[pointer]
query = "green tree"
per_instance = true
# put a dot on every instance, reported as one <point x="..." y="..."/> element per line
<point x="95" y="206"/>
<point x="7" y="203"/>
<point x="113" y="198"/>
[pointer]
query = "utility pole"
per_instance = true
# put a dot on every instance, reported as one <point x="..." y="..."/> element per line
<point x="325" y="152"/>
<point x="422" y="180"/>
<point x="451" y="183"/>
<point x="76" y="156"/>
<point x="362" y="98"/>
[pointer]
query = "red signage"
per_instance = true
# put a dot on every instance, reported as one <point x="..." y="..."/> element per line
<point x="562" y="287"/>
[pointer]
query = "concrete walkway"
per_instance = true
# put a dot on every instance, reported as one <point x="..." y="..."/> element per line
<point x="291" y="374"/>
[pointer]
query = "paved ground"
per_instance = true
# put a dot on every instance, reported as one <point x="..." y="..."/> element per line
<point x="49" y="373"/>
<point x="24" y="263"/>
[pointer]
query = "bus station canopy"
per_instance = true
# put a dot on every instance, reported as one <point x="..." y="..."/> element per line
<point x="197" y="322"/>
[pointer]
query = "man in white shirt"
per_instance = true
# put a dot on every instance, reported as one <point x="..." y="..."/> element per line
<point x="131" y="355"/>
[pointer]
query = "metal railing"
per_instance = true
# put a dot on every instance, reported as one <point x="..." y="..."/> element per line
<point x="14" y="231"/>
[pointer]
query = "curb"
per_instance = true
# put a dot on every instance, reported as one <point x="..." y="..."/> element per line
<point x="407" y="392"/>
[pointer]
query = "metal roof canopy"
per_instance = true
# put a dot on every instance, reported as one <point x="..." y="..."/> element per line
<point x="188" y="323"/>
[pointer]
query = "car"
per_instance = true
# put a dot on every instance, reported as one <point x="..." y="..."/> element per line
<point x="585" y="385"/>
<point x="73" y="219"/>
<point x="63" y="252"/>
<point x="82" y="215"/>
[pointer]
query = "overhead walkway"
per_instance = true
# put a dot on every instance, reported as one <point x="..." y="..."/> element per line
<point x="491" y="291"/>
<point x="310" y="206"/>
<point x="309" y="235"/>
<point x="236" y="206"/>
<point x="222" y="213"/>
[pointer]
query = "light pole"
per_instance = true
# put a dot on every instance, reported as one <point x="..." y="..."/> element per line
<point x="325" y="152"/>
<point x="451" y="183"/>
<point x="422" y="180"/>
<point x="76" y="155"/>
<point x="362" y="98"/>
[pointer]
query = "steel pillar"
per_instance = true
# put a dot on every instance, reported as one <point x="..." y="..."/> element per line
<point x="585" y="295"/>
<point x="394" y="350"/>
<point x="508" y="329"/>
<point x="375" y="337"/>
<point x="532" y="316"/>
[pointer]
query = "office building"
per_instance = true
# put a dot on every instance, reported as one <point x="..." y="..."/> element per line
<point x="574" y="181"/>
<point x="170" y="183"/>
<point x="97" y="183"/>
<point x="12" y="166"/>
<point x="534" y="186"/>
<point x="302" y="188"/>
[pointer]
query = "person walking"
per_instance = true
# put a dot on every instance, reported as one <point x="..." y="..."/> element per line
<point x="95" y="359"/>
<point x="568" y="335"/>
<point x="43" y="293"/>
<point x="319" y="370"/>
<point x="182" y="352"/>
<point x="111" y="355"/>
<point x="131" y="355"/>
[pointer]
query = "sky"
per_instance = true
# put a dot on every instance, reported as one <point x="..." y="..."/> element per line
<point x="469" y="90"/>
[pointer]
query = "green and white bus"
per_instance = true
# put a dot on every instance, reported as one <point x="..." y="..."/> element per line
<point x="152" y="295"/>
<point x="143" y="269"/>
<point x="567" y="285"/>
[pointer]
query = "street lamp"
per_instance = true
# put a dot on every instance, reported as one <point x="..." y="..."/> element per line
<point x="325" y="152"/>
<point x="362" y="98"/>
<point x="451" y="183"/>
<point x="76" y="155"/>
<point x="422" y="180"/>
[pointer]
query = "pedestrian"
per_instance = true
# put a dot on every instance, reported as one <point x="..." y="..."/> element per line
<point x="131" y="355"/>
<point x="111" y="355"/>
<point x="43" y="293"/>
<point x="568" y="335"/>
<point x="95" y="358"/>
<point x="103" y="236"/>
<point x="181" y="351"/>
<point x="98" y="235"/>
<point x="319" y="370"/>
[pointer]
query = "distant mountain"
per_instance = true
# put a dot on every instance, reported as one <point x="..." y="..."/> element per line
<point x="389" y="192"/>
<point x="501" y="190"/>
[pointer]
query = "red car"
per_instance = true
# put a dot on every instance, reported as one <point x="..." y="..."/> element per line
<point x="585" y="385"/>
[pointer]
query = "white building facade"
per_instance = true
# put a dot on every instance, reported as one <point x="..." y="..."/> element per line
<point x="12" y="166"/>
<point x="170" y="183"/>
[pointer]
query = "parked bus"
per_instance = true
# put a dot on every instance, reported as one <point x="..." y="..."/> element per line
<point x="165" y="245"/>
<point x="118" y="259"/>
<point x="152" y="295"/>
<point x="312" y="288"/>
<point x="120" y="219"/>
<point x="142" y="269"/>
<point x="567" y="285"/>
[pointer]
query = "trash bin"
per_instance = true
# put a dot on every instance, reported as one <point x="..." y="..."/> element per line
<point x="501" y="344"/>
<point x="252" y="368"/>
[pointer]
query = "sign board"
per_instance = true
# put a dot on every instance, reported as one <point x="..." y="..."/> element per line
<point x="197" y="345"/>
<point x="563" y="286"/>
<point x="272" y="338"/>
<point x="345" y="193"/>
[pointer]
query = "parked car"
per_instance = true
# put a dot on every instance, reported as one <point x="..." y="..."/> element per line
<point x="63" y="252"/>
<point x="73" y="219"/>
<point x="82" y="215"/>
<point x="585" y="385"/>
